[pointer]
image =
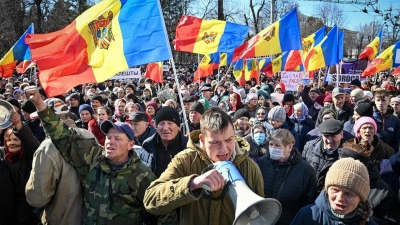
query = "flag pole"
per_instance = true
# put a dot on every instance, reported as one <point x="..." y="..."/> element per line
<point x="174" y="69"/>
<point x="33" y="70"/>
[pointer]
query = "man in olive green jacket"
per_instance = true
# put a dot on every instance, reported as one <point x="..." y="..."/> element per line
<point x="180" y="186"/>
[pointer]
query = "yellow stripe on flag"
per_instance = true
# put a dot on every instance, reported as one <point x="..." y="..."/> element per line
<point x="209" y="28"/>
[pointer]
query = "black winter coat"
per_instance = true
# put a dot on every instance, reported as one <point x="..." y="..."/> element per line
<point x="156" y="149"/>
<point x="293" y="183"/>
<point x="319" y="160"/>
<point x="14" y="210"/>
<point x="384" y="201"/>
<point x="256" y="151"/>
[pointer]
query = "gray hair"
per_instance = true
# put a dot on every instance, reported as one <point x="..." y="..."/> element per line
<point x="284" y="136"/>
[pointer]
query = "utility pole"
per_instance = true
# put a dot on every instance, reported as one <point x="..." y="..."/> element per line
<point x="221" y="15"/>
<point x="273" y="9"/>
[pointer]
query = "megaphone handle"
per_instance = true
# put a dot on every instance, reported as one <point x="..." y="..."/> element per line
<point x="209" y="193"/>
<point x="206" y="187"/>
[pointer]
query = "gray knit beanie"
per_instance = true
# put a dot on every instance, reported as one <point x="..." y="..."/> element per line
<point x="277" y="113"/>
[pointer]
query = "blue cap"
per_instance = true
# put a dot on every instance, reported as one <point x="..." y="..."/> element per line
<point x="123" y="127"/>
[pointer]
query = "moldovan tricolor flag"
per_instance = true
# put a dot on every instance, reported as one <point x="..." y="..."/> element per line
<point x="293" y="60"/>
<point x="110" y="37"/>
<point x="281" y="36"/>
<point x="251" y="70"/>
<point x="325" y="53"/>
<point x="384" y="61"/>
<point x="225" y="59"/>
<point x="279" y="62"/>
<point x="154" y="71"/>
<point x="312" y="40"/>
<point x="208" y="36"/>
<point x="238" y="72"/>
<point x="265" y="65"/>
<point x="20" y="51"/>
<point x="373" y="49"/>
<point x="207" y="66"/>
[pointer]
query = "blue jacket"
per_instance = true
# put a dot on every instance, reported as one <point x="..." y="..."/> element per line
<point x="320" y="213"/>
<point x="388" y="128"/>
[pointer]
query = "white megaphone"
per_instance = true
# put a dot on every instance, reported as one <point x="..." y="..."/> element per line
<point x="250" y="209"/>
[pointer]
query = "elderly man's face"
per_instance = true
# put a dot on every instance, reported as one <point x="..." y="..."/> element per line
<point x="167" y="130"/>
<point x="332" y="142"/>
<point x="117" y="145"/>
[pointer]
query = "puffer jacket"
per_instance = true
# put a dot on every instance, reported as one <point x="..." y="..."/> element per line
<point x="319" y="160"/>
<point x="171" y="190"/>
<point x="320" y="213"/>
<point x="388" y="128"/>
<point x="293" y="184"/>
<point x="109" y="197"/>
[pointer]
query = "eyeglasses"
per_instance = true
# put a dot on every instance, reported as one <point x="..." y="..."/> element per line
<point x="260" y="113"/>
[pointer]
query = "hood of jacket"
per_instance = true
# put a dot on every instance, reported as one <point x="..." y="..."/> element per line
<point x="241" y="152"/>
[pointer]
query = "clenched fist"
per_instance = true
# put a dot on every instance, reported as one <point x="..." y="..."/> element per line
<point x="213" y="179"/>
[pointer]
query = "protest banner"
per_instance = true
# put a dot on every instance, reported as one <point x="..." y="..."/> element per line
<point x="165" y="68"/>
<point x="291" y="79"/>
<point x="344" y="78"/>
<point x="128" y="74"/>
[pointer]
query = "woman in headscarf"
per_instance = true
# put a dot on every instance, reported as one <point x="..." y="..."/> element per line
<point x="119" y="109"/>
<point x="302" y="122"/>
<point x="235" y="102"/>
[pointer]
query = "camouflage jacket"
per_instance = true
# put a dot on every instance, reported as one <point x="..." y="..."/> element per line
<point x="109" y="197"/>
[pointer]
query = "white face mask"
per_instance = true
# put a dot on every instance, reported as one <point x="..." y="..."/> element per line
<point x="275" y="153"/>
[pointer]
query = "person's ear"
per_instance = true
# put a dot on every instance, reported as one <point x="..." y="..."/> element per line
<point x="201" y="138"/>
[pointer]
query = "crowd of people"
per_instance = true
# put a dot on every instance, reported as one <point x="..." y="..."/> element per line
<point x="120" y="152"/>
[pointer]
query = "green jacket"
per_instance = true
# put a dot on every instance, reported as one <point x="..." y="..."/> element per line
<point x="171" y="189"/>
<point x="109" y="197"/>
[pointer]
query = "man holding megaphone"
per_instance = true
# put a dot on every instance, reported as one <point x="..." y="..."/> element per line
<point x="185" y="180"/>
